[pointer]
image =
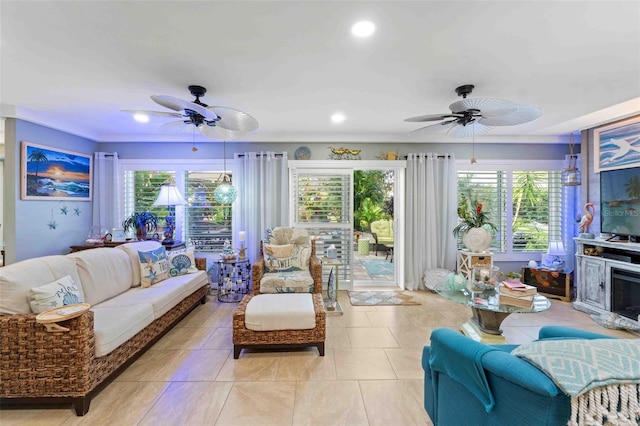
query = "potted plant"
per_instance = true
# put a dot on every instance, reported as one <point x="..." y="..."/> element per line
<point x="473" y="227"/>
<point x="141" y="222"/>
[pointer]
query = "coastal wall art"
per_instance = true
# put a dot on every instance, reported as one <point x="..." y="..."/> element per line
<point x="54" y="174"/>
<point x="617" y="146"/>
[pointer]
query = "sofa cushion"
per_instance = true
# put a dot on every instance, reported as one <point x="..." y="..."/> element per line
<point x="153" y="266"/>
<point x="115" y="325"/>
<point x="267" y="312"/>
<point x="182" y="262"/>
<point x="162" y="296"/>
<point x="61" y="292"/>
<point x="132" y="251"/>
<point x="104" y="273"/>
<point x="17" y="279"/>
<point x="287" y="282"/>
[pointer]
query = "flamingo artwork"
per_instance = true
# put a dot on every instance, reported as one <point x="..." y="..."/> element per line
<point x="587" y="218"/>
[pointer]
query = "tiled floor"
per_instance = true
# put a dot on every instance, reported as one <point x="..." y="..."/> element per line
<point x="370" y="375"/>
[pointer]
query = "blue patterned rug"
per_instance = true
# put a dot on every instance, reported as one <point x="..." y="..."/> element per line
<point x="377" y="266"/>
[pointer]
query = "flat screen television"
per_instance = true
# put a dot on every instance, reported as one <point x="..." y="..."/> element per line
<point x="620" y="203"/>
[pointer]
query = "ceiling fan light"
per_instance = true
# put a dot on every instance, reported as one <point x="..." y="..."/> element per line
<point x="337" y="118"/>
<point x="141" y="118"/>
<point x="363" y="29"/>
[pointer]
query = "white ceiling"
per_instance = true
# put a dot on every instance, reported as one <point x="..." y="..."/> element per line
<point x="74" y="65"/>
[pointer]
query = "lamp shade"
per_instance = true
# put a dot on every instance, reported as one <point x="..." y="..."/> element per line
<point x="556" y="248"/>
<point x="169" y="196"/>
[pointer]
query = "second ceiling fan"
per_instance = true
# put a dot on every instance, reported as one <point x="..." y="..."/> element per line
<point x="474" y="116"/>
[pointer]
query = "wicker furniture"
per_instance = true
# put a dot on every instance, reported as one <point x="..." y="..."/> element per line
<point x="38" y="367"/>
<point x="245" y="338"/>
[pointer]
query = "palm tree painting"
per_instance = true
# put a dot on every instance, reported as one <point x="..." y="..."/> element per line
<point x="54" y="174"/>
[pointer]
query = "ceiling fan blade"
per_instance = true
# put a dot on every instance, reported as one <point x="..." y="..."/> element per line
<point x="489" y="107"/>
<point x="429" y="117"/>
<point x="233" y="119"/>
<point x="524" y="114"/>
<point x="216" y="132"/>
<point x="182" y="105"/>
<point x="433" y="128"/>
<point x="177" y="127"/>
<point x="152" y="113"/>
<point x="472" y="129"/>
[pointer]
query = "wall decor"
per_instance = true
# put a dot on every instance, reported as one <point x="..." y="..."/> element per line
<point x="302" y="153"/>
<point x="344" y="153"/>
<point x="54" y="174"/>
<point x="617" y="146"/>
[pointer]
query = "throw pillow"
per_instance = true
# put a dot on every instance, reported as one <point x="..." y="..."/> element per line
<point x="153" y="266"/>
<point x="286" y="258"/>
<point x="61" y="292"/>
<point x="182" y="262"/>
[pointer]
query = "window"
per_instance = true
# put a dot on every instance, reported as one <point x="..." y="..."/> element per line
<point x="524" y="201"/>
<point x="204" y="222"/>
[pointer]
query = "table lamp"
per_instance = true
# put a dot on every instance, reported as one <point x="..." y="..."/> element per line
<point x="169" y="196"/>
<point x="553" y="260"/>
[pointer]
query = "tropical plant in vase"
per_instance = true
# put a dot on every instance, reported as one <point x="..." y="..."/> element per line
<point x="474" y="226"/>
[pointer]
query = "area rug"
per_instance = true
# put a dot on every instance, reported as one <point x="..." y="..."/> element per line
<point x="380" y="298"/>
<point x="377" y="266"/>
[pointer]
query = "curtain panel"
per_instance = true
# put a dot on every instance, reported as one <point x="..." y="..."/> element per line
<point x="106" y="188"/>
<point x="431" y="215"/>
<point x="263" y="201"/>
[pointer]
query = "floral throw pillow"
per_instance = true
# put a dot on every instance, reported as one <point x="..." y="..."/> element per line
<point x="61" y="292"/>
<point x="153" y="266"/>
<point x="182" y="262"/>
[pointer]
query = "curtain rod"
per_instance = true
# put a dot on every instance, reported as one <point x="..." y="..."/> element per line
<point x="441" y="156"/>
<point x="276" y="154"/>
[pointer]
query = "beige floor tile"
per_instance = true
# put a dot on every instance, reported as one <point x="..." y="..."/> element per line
<point x="188" y="403"/>
<point x="183" y="338"/>
<point x="337" y="337"/>
<point x="407" y="363"/>
<point x="349" y="319"/>
<point x="259" y="403"/>
<point x="154" y="365"/>
<point x="252" y="366"/>
<point x="36" y="417"/>
<point x="378" y="337"/>
<point x="307" y="365"/>
<point x="201" y="365"/>
<point x="411" y="337"/>
<point x="329" y="403"/>
<point x="363" y="364"/>
<point x="395" y="402"/>
<point x="220" y="338"/>
<point x="388" y="318"/>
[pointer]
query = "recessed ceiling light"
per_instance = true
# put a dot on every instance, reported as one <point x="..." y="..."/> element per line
<point x="363" y="29"/>
<point x="141" y="118"/>
<point x="338" y="117"/>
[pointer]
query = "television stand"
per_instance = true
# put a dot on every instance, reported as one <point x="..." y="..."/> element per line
<point x="618" y="239"/>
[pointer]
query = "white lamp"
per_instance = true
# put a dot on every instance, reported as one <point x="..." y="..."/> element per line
<point x="169" y="196"/>
<point x="553" y="260"/>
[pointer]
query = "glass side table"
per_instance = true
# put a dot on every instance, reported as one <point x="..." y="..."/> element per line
<point x="234" y="279"/>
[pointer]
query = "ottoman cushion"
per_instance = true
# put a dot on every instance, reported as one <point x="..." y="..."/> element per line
<point x="290" y="311"/>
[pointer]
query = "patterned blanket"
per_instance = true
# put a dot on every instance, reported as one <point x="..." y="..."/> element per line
<point x="602" y="376"/>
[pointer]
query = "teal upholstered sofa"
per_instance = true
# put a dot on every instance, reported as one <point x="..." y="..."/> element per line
<point x="456" y="392"/>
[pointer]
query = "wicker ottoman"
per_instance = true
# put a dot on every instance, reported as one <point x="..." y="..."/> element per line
<point x="278" y="339"/>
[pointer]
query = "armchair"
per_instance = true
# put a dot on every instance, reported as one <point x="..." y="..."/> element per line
<point x="382" y="231"/>
<point x="468" y="382"/>
<point x="282" y="255"/>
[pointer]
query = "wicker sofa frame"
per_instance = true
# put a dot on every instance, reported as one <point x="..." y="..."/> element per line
<point x="243" y="338"/>
<point x="38" y="367"/>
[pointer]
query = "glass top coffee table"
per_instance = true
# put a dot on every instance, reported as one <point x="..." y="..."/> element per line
<point x="488" y="314"/>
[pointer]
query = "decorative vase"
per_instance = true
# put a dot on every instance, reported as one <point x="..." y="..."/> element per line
<point x="477" y="240"/>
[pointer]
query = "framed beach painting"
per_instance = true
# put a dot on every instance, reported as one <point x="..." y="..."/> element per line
<point x="54" y="174"/>
<point x="617" y="146"/>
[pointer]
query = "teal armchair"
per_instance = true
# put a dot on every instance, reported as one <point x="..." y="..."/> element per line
<point x="467" y="382"/>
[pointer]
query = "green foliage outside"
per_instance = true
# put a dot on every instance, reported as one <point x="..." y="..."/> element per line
<point x="372" y="199"/>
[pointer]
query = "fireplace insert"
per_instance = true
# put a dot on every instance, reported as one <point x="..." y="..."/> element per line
<point x="625" y="293"/>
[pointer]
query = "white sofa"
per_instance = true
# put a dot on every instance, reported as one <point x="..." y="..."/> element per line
<point x="125" y="319"/>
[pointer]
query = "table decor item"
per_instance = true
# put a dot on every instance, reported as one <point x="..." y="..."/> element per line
<point x="474" y="227"/>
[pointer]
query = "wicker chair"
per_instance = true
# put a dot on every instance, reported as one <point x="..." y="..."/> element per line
<point x="278" y="339"/>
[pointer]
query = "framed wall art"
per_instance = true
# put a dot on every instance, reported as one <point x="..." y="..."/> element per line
<point x="617" y="146"/>
<point x="54" y="174"/>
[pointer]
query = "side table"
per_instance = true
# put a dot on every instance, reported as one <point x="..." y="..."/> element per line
<point x="234" y="279"/>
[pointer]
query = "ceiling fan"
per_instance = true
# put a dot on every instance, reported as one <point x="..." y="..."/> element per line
<point x="216" y="122"/>
<point x="474" y="116"/>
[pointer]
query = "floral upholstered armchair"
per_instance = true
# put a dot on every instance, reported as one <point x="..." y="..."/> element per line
<point x="287" y="263"/>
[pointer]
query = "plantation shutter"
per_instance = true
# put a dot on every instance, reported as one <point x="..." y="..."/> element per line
<point x="141" y="188"/>
<point x="207" y="223"/>
<point x="322" y="204"/>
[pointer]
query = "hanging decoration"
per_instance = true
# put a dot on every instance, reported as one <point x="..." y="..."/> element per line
<point x="225" y="193"/>
<point x="62" y="210"/>
<point x="571" y="175"/>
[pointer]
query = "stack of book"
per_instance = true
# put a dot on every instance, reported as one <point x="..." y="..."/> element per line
<point x="515" y="293"/>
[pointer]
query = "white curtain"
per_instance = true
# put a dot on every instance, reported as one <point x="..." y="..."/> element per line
<point x="263" y="201"/>
<point x="431" y="212"/>
<point x="106" y="186"/>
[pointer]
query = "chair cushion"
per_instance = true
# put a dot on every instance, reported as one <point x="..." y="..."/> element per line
<point x="287" y="282"/>
<point x="115" y="325"/>
<point x="266" y="312"/>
